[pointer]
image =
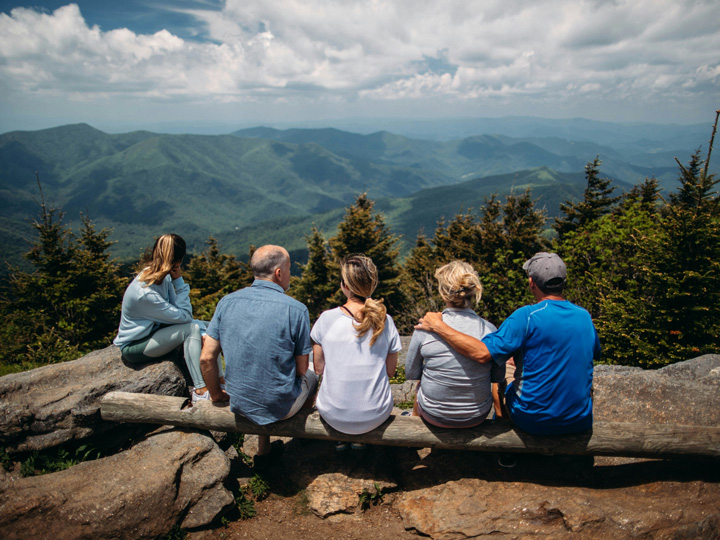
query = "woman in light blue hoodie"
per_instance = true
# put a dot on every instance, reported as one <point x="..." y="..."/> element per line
<point x="157" y="315"/>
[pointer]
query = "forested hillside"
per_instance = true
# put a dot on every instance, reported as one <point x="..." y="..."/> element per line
<point x="643" y="265"/>
<point x="263" y="185"/>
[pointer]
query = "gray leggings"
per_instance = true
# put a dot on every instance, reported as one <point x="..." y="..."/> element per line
<point x="164" y="340"/>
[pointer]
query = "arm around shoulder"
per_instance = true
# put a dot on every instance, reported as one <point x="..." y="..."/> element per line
<point x="466" y="345"/>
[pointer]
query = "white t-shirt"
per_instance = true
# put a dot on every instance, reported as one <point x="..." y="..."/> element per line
<point x="355" y="394"/>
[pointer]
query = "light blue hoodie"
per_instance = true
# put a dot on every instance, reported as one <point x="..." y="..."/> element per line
<point x="145" y="308"/>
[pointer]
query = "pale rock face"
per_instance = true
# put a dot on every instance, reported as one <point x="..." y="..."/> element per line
<point x="556" y="497"/>
<point x="142" y="492"/>
<point x="474" y="508"/>
<point x="684" y="393"/>
<point x="52" y="405"/>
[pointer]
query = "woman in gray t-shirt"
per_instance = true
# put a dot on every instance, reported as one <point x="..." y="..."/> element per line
<point x="454" y="391"/>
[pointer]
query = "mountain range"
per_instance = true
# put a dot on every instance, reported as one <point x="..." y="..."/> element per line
<point x="261" y="184"/>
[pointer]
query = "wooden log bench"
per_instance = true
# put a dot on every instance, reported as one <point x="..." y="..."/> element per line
<point x="605" y="439"/>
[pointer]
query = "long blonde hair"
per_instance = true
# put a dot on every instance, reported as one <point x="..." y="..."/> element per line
<point x="360" y="277"/>
<point x="459" y="284"/>
<point x="168" y="250"/>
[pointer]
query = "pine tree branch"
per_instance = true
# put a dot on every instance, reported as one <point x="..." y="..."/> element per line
<point x="710" y="148"/>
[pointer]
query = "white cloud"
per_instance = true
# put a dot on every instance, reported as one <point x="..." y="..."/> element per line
<point x="552" y="51"/>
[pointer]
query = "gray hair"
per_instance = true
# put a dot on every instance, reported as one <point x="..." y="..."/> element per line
<point x="266" y="260"/>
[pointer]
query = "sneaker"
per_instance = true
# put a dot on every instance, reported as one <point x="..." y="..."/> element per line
<point x="200" y="397"/>
<point x="357" y="446"/>
<point x="341" y="446"/>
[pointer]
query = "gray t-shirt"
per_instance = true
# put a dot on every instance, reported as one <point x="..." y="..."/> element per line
<point x="453" y="387"/>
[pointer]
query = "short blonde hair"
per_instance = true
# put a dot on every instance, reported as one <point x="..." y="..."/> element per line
<point x="459" y="284"/>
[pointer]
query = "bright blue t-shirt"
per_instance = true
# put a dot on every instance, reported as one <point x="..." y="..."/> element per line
<point x="553" y="344"/>
<point x="261" y="330"/>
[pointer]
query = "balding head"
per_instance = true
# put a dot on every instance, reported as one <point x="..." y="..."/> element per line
<point x="267" y="260"/>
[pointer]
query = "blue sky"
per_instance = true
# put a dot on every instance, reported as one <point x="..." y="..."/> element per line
<point x="133" y="64"/>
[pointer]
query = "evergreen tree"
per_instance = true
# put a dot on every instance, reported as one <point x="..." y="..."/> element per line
<point x="685" y="273"/>
<point x="211" y="276"/>
<point x="362" y="231"/>
<point x="496" y="243"/>
<point x="319" y="280"/>
<point x="512" y="234"/>
<point x="597" y="201"/>
<point x="69" y="304"/>
<point x="419" y="284"/>
<point x="650" y="275"/>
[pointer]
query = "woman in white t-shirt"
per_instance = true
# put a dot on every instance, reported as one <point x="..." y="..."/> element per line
<point x="355" y="349"/>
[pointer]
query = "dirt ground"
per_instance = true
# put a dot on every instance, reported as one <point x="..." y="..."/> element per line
<point x="285" y="513"/>
<point x="288" y="518"/>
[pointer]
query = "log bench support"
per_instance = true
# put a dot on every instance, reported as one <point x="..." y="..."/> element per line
<point x="605" y="439"/>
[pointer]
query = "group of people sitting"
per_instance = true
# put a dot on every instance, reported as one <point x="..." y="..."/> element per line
<point x="539" y="362"/>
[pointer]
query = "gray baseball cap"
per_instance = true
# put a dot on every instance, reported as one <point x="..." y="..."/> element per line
<point x="547" y="270"/>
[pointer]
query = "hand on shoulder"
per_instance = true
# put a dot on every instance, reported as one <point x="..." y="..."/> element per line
<point x="430" y="321"/>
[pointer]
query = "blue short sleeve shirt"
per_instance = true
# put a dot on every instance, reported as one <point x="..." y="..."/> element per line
<point x="554" y="344"/>
<point x="261" y="330"/>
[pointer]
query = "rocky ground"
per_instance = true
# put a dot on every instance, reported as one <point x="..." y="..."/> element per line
<point x="165" y="476"/>
<point x="313" y="493"/>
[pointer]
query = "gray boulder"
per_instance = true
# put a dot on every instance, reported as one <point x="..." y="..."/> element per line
<point x="475" y="508"/>
<point x="54" y="404"/>
<point x="683" y="393"/>
<point x="173" y="476"/>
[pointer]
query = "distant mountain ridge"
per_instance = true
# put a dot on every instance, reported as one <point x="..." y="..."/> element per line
<point x="263" y="184"/>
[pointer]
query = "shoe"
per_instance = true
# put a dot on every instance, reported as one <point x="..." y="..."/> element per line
<point x="507" y="461"/>
<point x="200" y="397"/>
<point x="406" y="413"/>
<point x="357" y="446"/>
<point x="341" y="446"/>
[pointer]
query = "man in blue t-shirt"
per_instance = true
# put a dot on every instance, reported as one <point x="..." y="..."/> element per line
<point x="553" y="344"/>
<point x="264" y="336"/>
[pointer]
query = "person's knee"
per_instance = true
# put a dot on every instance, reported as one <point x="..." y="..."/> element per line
<point x="195" y="330"/>
<point x="311" y="380"/>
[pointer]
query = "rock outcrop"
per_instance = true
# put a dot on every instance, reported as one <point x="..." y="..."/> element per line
<point x="176" y="476"/>
<point x="171" y="477"/>
<point x="475" y="508"/>
<point x="52" y="405"/>
<point x="457" y="495"/>
<point x="684" y="393"/>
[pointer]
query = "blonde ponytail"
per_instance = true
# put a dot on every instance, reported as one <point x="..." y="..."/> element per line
<point x="372" y="315"/>
<point x="360" y="277"/>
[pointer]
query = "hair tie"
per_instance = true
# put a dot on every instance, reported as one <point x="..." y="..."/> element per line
<point x="462" y="289"/>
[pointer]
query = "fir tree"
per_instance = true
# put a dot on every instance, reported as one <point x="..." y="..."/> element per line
<point x="319" y="279"/>
<point x="649" y="275"/>
<point x="419" y="283"/>
<point x="69" y="304"/>
<point x="597" y="201"/>
<point x="211" y="276"/>
<point x="496" y="243"/>
<point x="362" y="231"/>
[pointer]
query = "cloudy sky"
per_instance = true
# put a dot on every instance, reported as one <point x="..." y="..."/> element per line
<point x="132" y="63"/>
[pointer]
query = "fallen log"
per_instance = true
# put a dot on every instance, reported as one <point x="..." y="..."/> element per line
<point x="606" y="439"/>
